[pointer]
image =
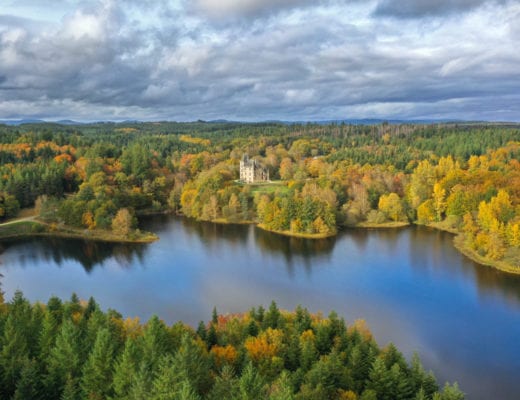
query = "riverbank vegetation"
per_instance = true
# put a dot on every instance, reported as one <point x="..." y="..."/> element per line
<point x="73" y="350"/>
<point x="462" y="177"/>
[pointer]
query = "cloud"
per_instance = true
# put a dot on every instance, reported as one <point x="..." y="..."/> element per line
<point x="422" y="8"/>
<point x="106" y="60"/>
<point x="229" y="9"/>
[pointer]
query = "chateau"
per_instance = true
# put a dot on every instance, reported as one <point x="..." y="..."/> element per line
<point x="252" y="171"/>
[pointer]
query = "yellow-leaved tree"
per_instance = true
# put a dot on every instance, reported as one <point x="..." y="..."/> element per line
<point x="122" y="223"/>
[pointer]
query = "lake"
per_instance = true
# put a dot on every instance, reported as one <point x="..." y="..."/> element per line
<point x="411" y="285"/>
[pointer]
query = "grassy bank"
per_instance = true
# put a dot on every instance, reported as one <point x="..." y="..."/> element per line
<point x="298" y="234"/>
<point x="18" y="229"/>
<point x="24" y="228"/>
<point x="226" y="221"/>
<point x="391" y="224"/>
<point x="505" y="265"/>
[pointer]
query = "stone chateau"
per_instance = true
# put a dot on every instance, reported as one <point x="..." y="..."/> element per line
<point x="251" y="171"/>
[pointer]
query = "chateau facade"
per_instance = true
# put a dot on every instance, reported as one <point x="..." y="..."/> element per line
<point x="252" y="171"/>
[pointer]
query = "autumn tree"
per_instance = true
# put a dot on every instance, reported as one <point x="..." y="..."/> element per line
<point x="123" y="222"/>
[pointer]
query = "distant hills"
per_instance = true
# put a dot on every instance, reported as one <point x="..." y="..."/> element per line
<point x="38" y="121"/>
<point x="362" y="121"/>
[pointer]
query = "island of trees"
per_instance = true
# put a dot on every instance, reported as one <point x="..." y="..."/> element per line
<point x="73" y="351"/>
<point x="94" y="180"/>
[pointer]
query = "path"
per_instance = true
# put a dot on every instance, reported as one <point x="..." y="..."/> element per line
<point x="14" y="221"/>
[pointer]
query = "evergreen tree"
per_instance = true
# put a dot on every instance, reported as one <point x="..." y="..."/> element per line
<point x="251" y="384"/>
<point x="191" y="364"/>
<point x="166" y="383"/>
<point x="225" y="386"/>
<point x="47" y="339"/>
<point x="330" y="373"/>
<point x="64" y="361"/>
<point x="272" y="317"/>
<point x="214" y="316"/>
<point x="303" y="319"/>
<point x="361" y="359"/>
<point x="71" y="390"/>
<point x="380" y="380"/>
<point x="212" y="338"/>
<point x="14" y="354"/>
<point x="187" y="392"/>
<point x="201" y="330"/>
<point x="126" y="369"/>
<point x="282" y="389"/>
<point x="28" y="385"/>
<point x="96" y="381"/>
<point x="452" y="392"/>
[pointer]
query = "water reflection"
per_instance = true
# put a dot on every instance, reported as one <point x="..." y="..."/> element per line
<point x="435" y="249"/>
<point x="291" y="246"/>
<point x="411" y="285"/>
<point x="210" y="232"/>
<point x="88" y="254"/>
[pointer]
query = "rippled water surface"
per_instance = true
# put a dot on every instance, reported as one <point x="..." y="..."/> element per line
<point x="411" y="286"/>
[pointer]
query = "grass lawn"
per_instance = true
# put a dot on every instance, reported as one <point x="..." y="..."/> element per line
<point x="267" y="187"/>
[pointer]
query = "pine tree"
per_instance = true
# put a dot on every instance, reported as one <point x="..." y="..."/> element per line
<point x="214" y="316"/>
<point x="29" y="384"/>
<point x="360" y="364"/>
<point x="201" y="330"/>
<point x="70" y="390"/>
<point x="380" y="380"/>
<point x="282" y="388"/>
<point x="452" y="392"/>
<point x="226" y="385"/>
<point x="187" y="392"/>
<point x="272" y="317"/>
<point x="191" y="363"/>
<point x="166" y="383"/>
<point x="212" y="338"/>
<point x="251" y="384"/>
<point x="97" y="372"/>
<point x="126" y="369"/>
<point x="14" y="355"/>
<point x="64" y="361"/>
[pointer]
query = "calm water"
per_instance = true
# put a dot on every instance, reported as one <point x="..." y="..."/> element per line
<point x="411" y="285"/>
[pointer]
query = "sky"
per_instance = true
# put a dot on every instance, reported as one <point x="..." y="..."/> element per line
<point x="257" y="60"/>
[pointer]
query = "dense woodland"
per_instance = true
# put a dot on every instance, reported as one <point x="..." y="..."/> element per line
<point x="72" y="350"/>
<point x="464" y="178"/>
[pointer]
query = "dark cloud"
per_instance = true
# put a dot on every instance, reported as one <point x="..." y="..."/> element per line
<point x="226" y="9"/>
<point x="115" y="61"/>
<point x="422" y="8"/>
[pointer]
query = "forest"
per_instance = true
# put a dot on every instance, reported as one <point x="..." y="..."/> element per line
<point x="72" y="350"/>
<point x="464" y="178"/>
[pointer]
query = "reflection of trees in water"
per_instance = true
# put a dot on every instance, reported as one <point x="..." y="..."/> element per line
<point x="88" y="253"/>
<point x="358" y="236"/>
<point x="490" y="281"/>
<point x="211" y="232"/>
<point x="439" y="246"/>
<point x="296" y="251"/>
<point x="290" y="246"/>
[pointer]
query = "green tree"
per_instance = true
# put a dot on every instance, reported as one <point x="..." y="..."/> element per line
<point x="96" y="380"/>
<point x="251" y="384"/>
<point x="28" y="385"/>
<point x="64" y="359"/>
<point x="225" y="386"/>
<point x="126" y="369"/>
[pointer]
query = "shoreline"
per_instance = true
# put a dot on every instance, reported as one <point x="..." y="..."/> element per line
<point x="34" y="228"/>
<point x="460" y="245"/>
<point x="384" y="225"/>
<point x="299" y="235"/>
<point x="24" y="228"/>
<point x="458" y="242"/>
